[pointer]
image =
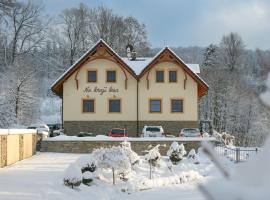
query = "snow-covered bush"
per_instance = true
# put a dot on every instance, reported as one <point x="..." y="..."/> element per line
<point x="176" y="152"/>
<point x="192" y="156"/>
<point x="205" y="134"/>
<point x="153" y="156"/>
<point x="87" y="178"/>
<point x="87" y="164"/>
<point x="113" y="158"/>
<point x="73" y="176"/>
<point x="225" y="138"/>
<point x="133" y="157"/>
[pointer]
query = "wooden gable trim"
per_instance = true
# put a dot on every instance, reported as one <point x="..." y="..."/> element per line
<point x="167" y="56"/>
<point x="58" y="86"/>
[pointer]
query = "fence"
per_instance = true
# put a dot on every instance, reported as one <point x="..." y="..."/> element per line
<point x="16" y="144"/>
<point x="236" y="154"/>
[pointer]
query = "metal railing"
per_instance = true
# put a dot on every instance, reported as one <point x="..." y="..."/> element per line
<point x="236" y="154"/>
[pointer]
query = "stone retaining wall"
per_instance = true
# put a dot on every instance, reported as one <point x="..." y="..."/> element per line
<point x="15" y="147"/>
<point x="88" y="146"/>
<point x="103" y="127"/>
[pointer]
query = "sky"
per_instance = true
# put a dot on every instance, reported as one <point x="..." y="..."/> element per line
<point x="189" y="22"/>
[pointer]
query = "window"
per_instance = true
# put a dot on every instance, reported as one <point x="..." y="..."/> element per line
<point x="177" y="105"/>
<point x="92" y="76"/>
<point x="88" y="105"/>
<point x="155" y="105"/>
<point x="114" y="105"/>
<point x="159" y="76"/>
<point x="111" y="76"/>
<point x="172" y="76"/>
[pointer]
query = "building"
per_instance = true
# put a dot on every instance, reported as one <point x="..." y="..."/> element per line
<point x="103" y="91"/>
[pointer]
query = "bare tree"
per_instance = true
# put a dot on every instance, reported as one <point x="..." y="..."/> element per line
<point x="26" y="28"/>
<point x="232" y="47"/>
<point x="74" y="23"/>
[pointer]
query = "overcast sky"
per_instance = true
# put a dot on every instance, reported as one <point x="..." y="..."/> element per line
<point x="189" y="22"/>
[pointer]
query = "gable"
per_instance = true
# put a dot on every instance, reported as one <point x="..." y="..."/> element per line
<point x="167" y="55"/>
<point x="99" y="51"/>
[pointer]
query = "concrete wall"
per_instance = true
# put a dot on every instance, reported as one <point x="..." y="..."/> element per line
<point x="88" y="146"/>
<point x="15" y="147"/>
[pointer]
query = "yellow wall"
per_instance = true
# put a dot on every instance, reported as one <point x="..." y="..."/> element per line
<point x="27" y="146"/>
<point x="13" y="152"/>
<point x="166" y="91"/>
<point x="72" y="98"/>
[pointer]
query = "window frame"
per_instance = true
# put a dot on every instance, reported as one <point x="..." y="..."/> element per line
<point x="120" y="106"/>
<point x="88" y="76"/>
<point x="155" y="99"/>
<point x="157" y="71"/>
<point x="94" y="105"/>
<point x="111" y="70"/>
<point x="177" y="99"/>
<point x="176" y="78"/>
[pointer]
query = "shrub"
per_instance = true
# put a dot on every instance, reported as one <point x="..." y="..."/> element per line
<point x="153" y="156"/>
<point x="176" y="152"/>
<point x="133" y="157"/>
<point x="87" y="178"/>
<point x="114" y="158"/>
<point x="192" y="156"/>
<point x="73" y="176"/>
<point x="87" y="164"/>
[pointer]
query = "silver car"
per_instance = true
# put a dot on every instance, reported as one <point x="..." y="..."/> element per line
<point x="190" y="132"/>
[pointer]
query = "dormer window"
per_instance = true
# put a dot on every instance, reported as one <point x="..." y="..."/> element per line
<point x="111" y="76"/>
<point x="159" y="76"/>
<point x="92" y="76"/>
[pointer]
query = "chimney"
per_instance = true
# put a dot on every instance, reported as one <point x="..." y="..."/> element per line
<point x="129" y="49"/>
<point x="133" y="55"/>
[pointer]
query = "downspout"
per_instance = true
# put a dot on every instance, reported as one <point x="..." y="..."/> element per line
<point x="62" y="114"/>
<point x="138" y="108"/>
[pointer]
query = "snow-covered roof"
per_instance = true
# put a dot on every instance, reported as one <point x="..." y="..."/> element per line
<point x="137" y="65"/>
<point x="140" y="63"/>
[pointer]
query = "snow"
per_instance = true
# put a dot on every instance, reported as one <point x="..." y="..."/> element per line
<point x="17" y="131"/>
<point x="41" y="178"/>
<point x="106" y="138"/>
<point x="137" y="65"/>
<point x="140" y="63"/>
<point x="73" y="173"/>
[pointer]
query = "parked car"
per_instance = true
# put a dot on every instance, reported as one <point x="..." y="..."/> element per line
<point x="85" y="134"/>
<point x="118" y="132"/>
<point x="42" y="130"/>
<point x="152" y="131"/>
<point x="39" y="127"/>
<point x="55" y="129"/>
<point x="190" y="132"/>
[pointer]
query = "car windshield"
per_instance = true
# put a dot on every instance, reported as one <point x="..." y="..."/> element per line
<point x="191" y="130"/>
<point x="118" y="131"/>
<point x="153" y="129"/>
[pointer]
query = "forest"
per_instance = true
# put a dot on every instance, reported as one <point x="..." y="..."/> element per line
<point x="36" y="48"/>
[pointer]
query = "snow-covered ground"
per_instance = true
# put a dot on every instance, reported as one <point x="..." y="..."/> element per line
<point x="41" y="177"/>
